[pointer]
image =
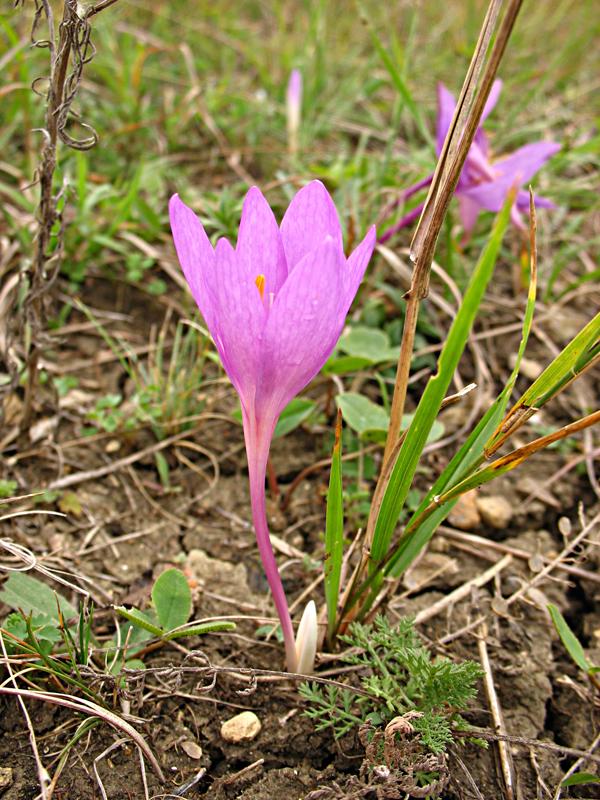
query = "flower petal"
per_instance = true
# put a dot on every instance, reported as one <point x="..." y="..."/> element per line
<point x="540" y="202"/>
<point x="515" y="169"/>
<point x="259" y="246"/>
<point x="446" y="106"/>
<point x="195" y="253"/>
<point x="469" y="211"/>
<point x="357" y="264"/>
<point x="526" y="161"/>
<point x="490" y="103"/>
<point x="310" y="218"/>
<point x="306" y="640"/>
<point x="239" y="321"/>
<point x="303" y="326"/>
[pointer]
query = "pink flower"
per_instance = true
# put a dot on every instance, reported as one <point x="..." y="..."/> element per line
<point x="483" y="184"/>
<point x="275" y="306"/>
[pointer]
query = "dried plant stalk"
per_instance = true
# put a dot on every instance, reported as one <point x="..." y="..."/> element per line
<point x="70" y="49"/>
<point x="497" y="27"/>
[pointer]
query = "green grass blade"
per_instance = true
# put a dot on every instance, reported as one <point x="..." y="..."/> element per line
<point x="140" y="619"/>
<point x="435" y="391"/>
<point x="568" y="638"/>
<point x="580" y="779"/>
<point x="334" y="531"/>
<point x="199" y="629"/>
<point x="397" y="78"/>
<point x="418" y="531"/>
<point x="469" y="456"/>
<point x="575" y="358"/>
<point x="515" y="458"/>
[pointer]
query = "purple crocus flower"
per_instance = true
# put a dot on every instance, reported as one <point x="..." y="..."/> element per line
<point x="275" y="306"/>
<point x="483" y="184"/>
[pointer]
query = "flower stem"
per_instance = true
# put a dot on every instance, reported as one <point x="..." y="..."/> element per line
<point x="257" y="449"/>
<point x="406" y="220"/>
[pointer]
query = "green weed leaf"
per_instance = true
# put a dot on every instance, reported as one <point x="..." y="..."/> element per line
<point x="139" y="619"/>
<point x="27" y="594"/>
<point x="200" y="629"/>
<point x="293" y="415"/>
<point x="172" y="598"/>
<point x="580" y="778"/>
<point x="364" y="416"/>
<point x="371" y="344"/>
<point x="568" y="638"/>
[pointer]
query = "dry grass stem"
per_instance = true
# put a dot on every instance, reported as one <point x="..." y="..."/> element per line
<point x="477" y="545"/>
<point x="70" y="49"/>
<point x="586" y="756"/>
<point x="560" y="558"/>
<point x="506" y="762"/>
<point x="462" y="591"/>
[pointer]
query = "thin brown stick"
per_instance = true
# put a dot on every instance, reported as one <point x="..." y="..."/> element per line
<point x="574" y="767"/>
<point x="70" y="49"/>
<point x="495" y="31"/>
<point x="477" y="544"/>
<point x="403" y="371"/>
<point x="462" y="591"/>
<point x="100" y="472"/>
<point x="526" y="742"/>
<point x="508" y="770"/>
<point x="552" y="565"/>
<point x="454" y="152"/>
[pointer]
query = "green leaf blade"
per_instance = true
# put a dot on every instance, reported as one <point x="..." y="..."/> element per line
<point x="435" y="391"/>
<point x="363" y="415"/>
<point x="293" y="415"/>
<point x="334" y="534"/>
<point x="568" y="638"/>
<point x="580" y="778"/>
<point x="172" y="599"/>
<point x="22" y="592"/>
<point x="139" y="620"/>
<point x="200" y="629"/>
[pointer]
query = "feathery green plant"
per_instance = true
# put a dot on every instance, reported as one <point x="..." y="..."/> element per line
<point x="397" y="676"/>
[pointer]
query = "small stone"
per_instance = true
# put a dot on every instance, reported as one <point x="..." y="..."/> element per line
<point x="427" y="569"/>
<point x="232" y="579"/>
<point x="465" y="515"/>
<point x="242" y="728"/>
<point x="495" y="511"/>
<point x="6" y="778"/>
<point x="192" y="749"/>
<point x="42" y="429"/>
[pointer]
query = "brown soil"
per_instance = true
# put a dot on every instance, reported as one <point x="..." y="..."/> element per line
<point x="128" y="529"/>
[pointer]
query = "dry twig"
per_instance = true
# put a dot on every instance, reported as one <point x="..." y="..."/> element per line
<point x="508" y="770"/>
<point x="70" y="49"/>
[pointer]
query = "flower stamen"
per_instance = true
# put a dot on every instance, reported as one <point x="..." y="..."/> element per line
<point x="260" y="285"/>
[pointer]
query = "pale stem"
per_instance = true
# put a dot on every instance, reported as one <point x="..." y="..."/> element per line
<point x="257" y="448"/>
